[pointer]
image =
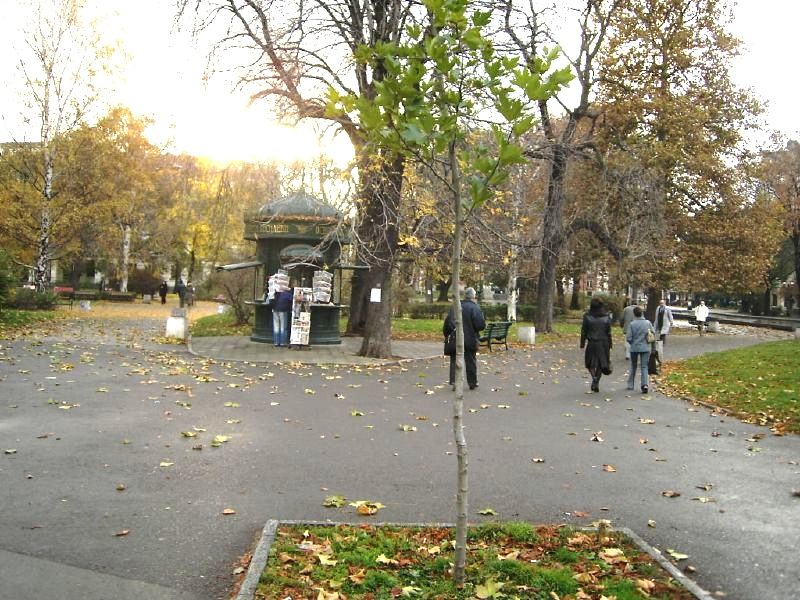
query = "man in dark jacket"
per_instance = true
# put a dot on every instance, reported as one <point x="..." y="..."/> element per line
<point x="473" y="322"/>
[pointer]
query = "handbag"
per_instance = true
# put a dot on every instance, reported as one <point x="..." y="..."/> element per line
<point x="609" y="369"/>
<point x="450" y="344"/>
<point x="654" y="364"/>
<point x="651" y="336"/>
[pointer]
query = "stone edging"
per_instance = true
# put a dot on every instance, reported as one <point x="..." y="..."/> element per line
<point x="247" y="590"/>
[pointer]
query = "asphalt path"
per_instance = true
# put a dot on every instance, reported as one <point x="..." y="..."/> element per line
<point x="103" y="479"/>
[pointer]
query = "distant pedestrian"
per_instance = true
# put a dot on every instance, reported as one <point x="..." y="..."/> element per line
<point x="596" y="337"/>
<point x="162" y="292"/>
<point x="701" y="316"/>
<point x="188" y="294"/>
<point x="180" y="289"/>
<point x="664" y="322"/>
<point x="640" y="348"/>
<point x="281" y="308"/>
<point x="473" y="322"/>
<point x="624" y="321"/>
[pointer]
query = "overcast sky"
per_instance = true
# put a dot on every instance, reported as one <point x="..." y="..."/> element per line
<point x="165" y="78"/>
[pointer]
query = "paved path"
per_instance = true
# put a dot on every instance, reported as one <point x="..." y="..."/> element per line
<point x="99" y="407"/>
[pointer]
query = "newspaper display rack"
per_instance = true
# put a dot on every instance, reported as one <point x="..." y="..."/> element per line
<point x="301" y="317"/>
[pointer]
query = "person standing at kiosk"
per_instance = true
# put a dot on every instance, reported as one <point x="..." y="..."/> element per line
<point x="282" y="307"/>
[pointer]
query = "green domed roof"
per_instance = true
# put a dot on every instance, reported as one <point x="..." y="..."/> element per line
<point x="298" y="204"/>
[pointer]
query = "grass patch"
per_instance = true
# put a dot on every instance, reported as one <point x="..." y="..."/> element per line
<point x="219" y="325"/>
<point x="14" y="322"/>
<point x="760" y="384"/>
<point x="511" y="560"/>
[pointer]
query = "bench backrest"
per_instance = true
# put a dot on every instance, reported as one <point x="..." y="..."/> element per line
<point x="498" y="328"/>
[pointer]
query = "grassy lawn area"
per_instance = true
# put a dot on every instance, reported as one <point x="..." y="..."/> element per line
<point x="16" y="321"/>
<point x="760" y="384"/>
<point x="402" y="329"/>
<point x="504" y="560"/>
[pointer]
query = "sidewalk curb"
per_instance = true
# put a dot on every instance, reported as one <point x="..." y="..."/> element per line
<point x="249" y="585"/>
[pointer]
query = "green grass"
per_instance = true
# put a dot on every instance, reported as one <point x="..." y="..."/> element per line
<point x="219" y="325"/>
<point x="504" y="560"/>
<point x="761" y="384"/>
<point x="12" y="320"/>
<point x="405" y="329"/>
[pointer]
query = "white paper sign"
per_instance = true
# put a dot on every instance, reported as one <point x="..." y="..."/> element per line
<point x="375" y="295"/>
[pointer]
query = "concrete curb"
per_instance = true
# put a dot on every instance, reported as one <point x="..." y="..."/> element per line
<point x="249" y="585"/>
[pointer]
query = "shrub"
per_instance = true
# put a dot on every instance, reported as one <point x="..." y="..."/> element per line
<point x="7" y="279"/>
<point x="143" y="282"/>
<point x="27" y="299"/>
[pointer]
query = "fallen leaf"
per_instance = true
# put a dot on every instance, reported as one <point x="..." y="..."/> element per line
<point x="597" y="436"/>
<point x="121" y="533"/>
<point x="487" y="511"/>
<point x="325" y="559"/>
<point x="537" y="459"/>
<point x="121" y="487"/>
<point x="356" y="413"/>
<point x="334" y="501"/>
<point x="670" y="494"/>
<point x="228" y="511"/>
<point x="366" y="507"/>
<point x="704" y="499"/>
<point x="11" y="451"/>
<point x="488" y="589"/>
<point x="677" y="555"/>
<point x="385" y="560"/>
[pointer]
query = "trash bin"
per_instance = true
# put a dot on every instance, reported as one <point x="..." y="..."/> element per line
<point x="527" y="335"/>
<point x="176" y="324"/>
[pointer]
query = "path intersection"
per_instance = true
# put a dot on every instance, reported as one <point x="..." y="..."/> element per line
<point x="127" y="454"/>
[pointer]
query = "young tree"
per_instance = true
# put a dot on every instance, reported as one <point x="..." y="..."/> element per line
<point x="59" y="66"/>
<point x="444" y="83"/>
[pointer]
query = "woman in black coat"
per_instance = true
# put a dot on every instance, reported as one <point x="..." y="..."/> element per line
<point x="596" y="337"/>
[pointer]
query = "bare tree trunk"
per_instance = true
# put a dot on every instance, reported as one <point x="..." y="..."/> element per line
<point x="552" y="237"/>
<point x="380" y="226"/>
<point x="513" y="270"/>
<point x="41" y="271"/>
<point x="462" y="494"/>
<point x="126" y="254"/>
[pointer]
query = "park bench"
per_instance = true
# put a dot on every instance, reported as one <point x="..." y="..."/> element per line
<point x="65" y="295"/>
<point x="86" y="295"/>
<point x="120" y="296"/>
<point x="496" y="332"/>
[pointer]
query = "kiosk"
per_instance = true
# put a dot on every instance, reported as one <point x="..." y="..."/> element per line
<point x="296" y="233"/>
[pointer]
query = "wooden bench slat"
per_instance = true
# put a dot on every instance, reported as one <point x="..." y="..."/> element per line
<point x="496" y="331"/>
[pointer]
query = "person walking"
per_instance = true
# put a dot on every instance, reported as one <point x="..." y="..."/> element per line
<point x="473" y="322"/>
<point x="664" y="322"/>
<point x="281" y="307"/>
<point x="624" y="321"/>
<point x="162" y="292"/>
<point x="180" y="289"/>
<point x="640" y="348"/>
<point x="701" y="316"/>
<point x="596" y="337"/>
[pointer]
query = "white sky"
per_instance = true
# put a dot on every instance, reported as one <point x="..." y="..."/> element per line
<point x="164" y="79"/>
